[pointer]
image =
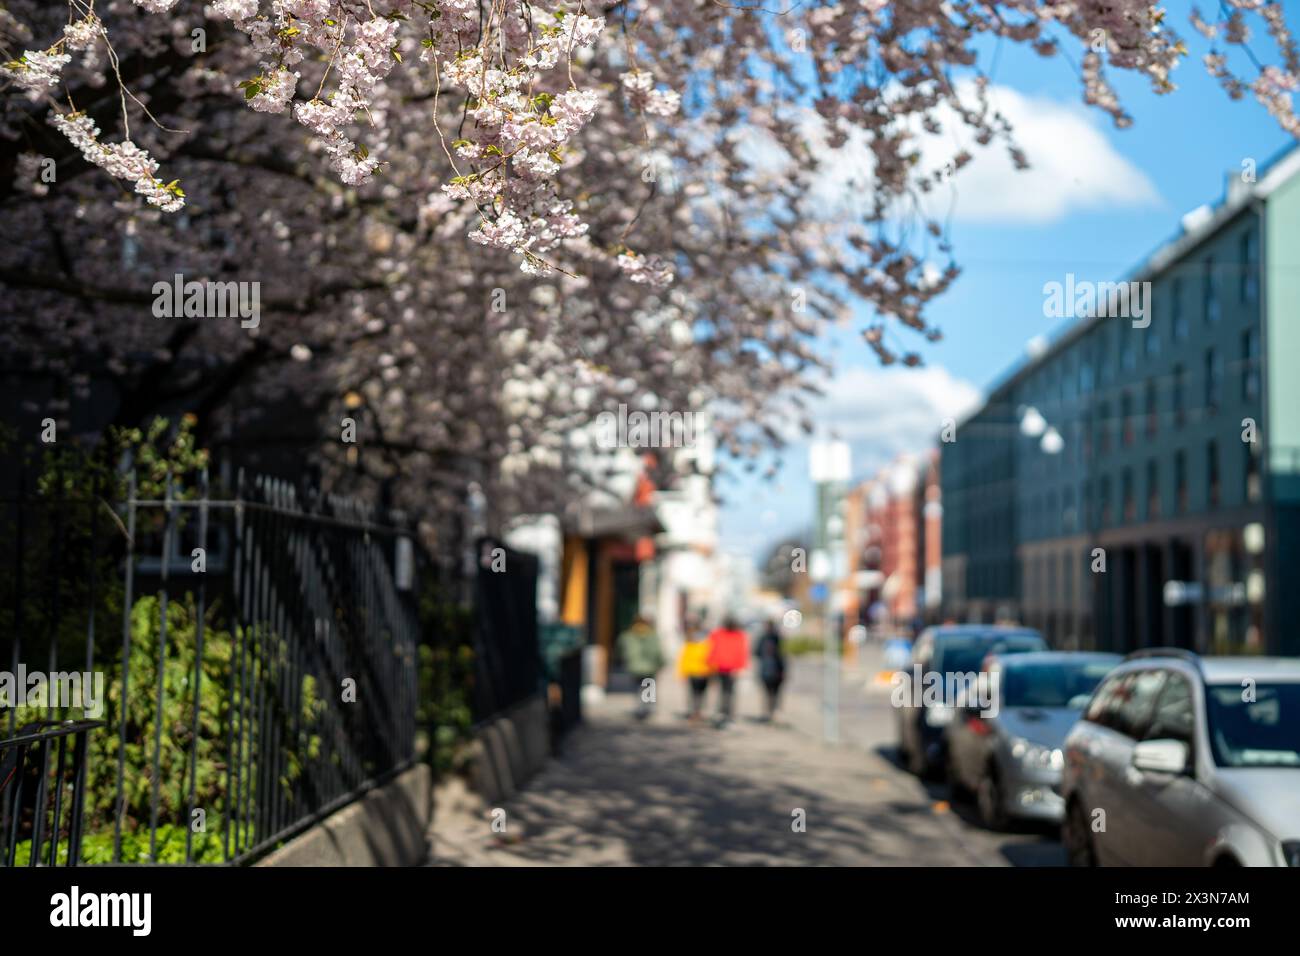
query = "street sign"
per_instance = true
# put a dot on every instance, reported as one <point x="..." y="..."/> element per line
<point x="1177" y="593"/>
<point x="819" y="565"/>
<point x="829" y="461"/>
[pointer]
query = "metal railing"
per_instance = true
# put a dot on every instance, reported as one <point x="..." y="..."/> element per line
<point x="508" y="657"/>
<point x="263" y="674"/>
<point x="32" y="791"/>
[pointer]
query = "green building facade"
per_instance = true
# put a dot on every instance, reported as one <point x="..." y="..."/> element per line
<point x="1138" y="482"/>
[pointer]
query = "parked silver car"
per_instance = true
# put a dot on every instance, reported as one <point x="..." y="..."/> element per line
<point x="1009" y="754"/>
<point x="1187" y="761"/>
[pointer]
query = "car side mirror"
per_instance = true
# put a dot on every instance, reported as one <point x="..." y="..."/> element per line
<point x="1161" y="756"/>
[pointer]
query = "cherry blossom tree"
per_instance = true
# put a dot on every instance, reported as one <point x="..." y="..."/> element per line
<point x="476" y="224"/>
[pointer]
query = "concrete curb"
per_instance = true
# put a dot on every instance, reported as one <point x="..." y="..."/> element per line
<point x="509" y="749"/>
<point x="386" y="827"/>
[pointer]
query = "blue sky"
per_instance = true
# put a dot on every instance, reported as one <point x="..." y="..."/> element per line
<point x="1098" y="201"/>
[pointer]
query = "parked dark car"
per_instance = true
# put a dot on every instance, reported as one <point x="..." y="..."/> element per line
<point x="940" y="653"/>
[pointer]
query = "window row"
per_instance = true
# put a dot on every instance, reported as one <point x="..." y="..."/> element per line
<point x="1106" y="502"/>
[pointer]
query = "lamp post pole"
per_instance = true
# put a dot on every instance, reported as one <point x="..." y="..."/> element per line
<point x="829" y="467"/>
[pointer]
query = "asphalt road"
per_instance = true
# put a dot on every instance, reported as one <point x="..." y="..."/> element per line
<point x="867" y="722"/>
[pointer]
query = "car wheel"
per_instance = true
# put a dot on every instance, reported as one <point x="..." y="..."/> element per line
<point x="956" y="789"/>
<point x="911" y="758"/>
<point x="1077" y="838"/>
<point x="989" y="797"/>
<point x="917" y="764"/>
<point x="904" y="755"/>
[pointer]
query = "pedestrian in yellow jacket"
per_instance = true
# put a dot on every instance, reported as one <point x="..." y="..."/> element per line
<point x="693" y="664"/>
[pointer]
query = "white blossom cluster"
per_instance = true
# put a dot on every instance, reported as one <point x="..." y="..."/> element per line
<point x="122" y="160"/>
<point x="27" y="171"/>
<point x="36" y="71"/>
<point x="518" y="141"/>
<point x="652" y="270"/>
<point x="360" y="52"/>
<point x="643" y="96"/>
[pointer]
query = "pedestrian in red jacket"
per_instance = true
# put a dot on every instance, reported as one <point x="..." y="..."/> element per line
<point x="728" y="655"/>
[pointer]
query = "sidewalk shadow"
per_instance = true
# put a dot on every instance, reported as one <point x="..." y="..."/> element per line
<point x="659" y="793"/>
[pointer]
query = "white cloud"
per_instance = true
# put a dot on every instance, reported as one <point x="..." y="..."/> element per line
<point x="1073" y="166"/>
<point x="880" y="412"/>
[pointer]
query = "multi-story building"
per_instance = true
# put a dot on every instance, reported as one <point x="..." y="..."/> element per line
<point x="632" y="547"/>
<point x="1138" y="484"/>
<point x="892" y="536"/>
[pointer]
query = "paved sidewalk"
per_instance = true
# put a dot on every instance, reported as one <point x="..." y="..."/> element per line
<point x="662" y="792"/>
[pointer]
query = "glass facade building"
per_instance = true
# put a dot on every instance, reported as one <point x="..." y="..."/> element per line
<point x="1138" y="482"/>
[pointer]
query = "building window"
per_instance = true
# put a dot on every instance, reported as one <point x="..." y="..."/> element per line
<point x="1179" y="390"/>
<point x="1129" y="499"/>
<point x="1210" y="290"/>
<point x="1150" y="342"/>
<point x="1253" y="485"/>
<point x="1213" y="379"/>
<point x="1153" y="490"/>
<point x="1249" y="286"/>
<point x="1106" y="516"/>
<point x="1250" y="365"/>
<point x="1152" y="407"/>
<point x="1180" y="482"/>
<point x="1212" y="474"/>
<point x="1127" y="353"/>
<point x="1103" y="428"/>
<point x="1067" y="578"/>
<point x="1180" y="318"/>
<point x="1069" y="518"/>
<point x="1126" y="419"/>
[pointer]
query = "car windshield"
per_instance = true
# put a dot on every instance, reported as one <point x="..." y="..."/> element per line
<point x="1255" y="726"/>
<point x="964" y="655"/>
<point x="1052" y="685"/>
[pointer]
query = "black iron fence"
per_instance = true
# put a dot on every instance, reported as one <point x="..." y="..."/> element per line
<point x="508" y="659"/>
<point x="36" y="790"/>
<point x="249" y="665"/>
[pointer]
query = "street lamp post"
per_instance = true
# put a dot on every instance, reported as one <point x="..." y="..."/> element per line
<point x="829" y="468"/>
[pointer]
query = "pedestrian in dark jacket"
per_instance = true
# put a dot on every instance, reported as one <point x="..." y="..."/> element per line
<point x="771" y="665"/>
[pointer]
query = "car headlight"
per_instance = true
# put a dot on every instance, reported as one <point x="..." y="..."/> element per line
<point x="1291" y="852"/>
<point x="938" y="716"/>
<point x="1035" y="755"/>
